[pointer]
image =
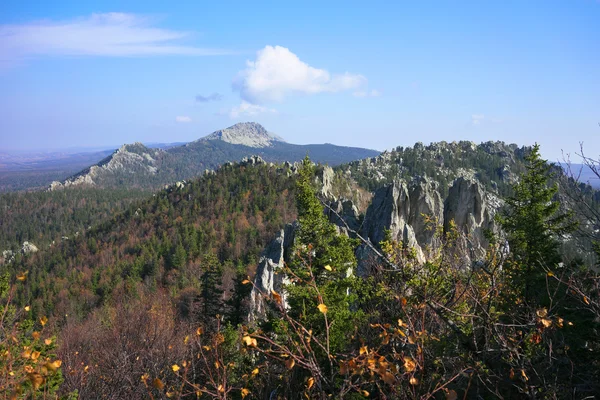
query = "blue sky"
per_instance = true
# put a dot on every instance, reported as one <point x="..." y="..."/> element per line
<point x="370" y="74"/>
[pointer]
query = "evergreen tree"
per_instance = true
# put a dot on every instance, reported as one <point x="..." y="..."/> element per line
<point x="533" y="221"/>
<point x="211" y="290"/>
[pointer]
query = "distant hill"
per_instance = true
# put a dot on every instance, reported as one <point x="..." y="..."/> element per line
<point x="136" y="165"/>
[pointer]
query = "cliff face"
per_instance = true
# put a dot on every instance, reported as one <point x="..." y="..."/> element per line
<point x="412" y="212"/>
<point x="269" y="275"/>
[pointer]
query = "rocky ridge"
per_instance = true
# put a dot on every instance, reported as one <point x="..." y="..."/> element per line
<point x="248" y="134"/>
<point x="129" y="159"/>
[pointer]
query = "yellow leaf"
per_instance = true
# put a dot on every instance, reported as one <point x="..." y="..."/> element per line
<point x="144" y="378"/>
<point x="35" y="355"/>
<point x="22" y="276"/>
<point x="323" y="308"/>
<point x="43" y="321"/>
<point x="328" y="267"/>
<point x="311" y="382"/>
<point x="249" y="341"/>
<point x="546" y="322"/>
<point x="542" y="312"/>
<point x="550" y="273"/>
<point x="221" y="388"/>
<point x="401" y="323"/>
<point x="524" y="375"/>
<point x="409" y="364"/>
<point x="48" y="342"/>
<point x="363" y="350"/>
<point x="255" y="371"/>
<point x="27" y="308"/>
<point x="53" y="366"/>
<point x="175" y="367"/>
<point x="413" y="381"/>
<point x="245" y="282"/>
<point x="198" y="394"/>
<point x="586" y="300"/>
<point x="245" y="392"/>
<point x="289" y="364"/>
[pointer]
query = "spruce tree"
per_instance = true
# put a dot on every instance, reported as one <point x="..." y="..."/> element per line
<point x="533" y="221"/>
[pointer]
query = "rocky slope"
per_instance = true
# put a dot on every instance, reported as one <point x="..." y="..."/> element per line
<point x="248" y="134"/>
<point x="141" y="167"/>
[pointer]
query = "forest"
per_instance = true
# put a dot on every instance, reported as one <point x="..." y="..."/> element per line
<point x="151" y="299"/>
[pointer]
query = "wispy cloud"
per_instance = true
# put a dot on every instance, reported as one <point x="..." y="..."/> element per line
<point x="367" y="93"/>
<point x="477" y="119"/>
<point x="246" y="109"/>
<point x="183" y="119"/>
<point x="107" y="35"/>
<point x="278" y="73"/>
<point x="210" y="97"/>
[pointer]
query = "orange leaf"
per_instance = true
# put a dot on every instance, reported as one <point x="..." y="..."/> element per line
<point x="311" y="382"/>
<point x="289" y="364"/>
<point x="245" y="392"/>
<point x="409" y="364"/>
<point x="43" y="321"/>
<point x="451" y="395"/>
<point x="157" y="383"/>
<point x="413" y="381"/>
<point x="276" y="296"/>
<point x="245" y="282"/>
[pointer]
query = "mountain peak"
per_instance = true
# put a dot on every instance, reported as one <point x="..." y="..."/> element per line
<point x="249" y="134"/>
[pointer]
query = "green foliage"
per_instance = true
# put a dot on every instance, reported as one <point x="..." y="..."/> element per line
<point x="533" y="221"/>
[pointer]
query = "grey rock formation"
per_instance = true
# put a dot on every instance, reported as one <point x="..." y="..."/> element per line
<point x="412" y="211"/>
<point x="28" y="248"/>
<point x="129" y="159"/>
<point x="344" y="214"/>
<point x="472" y="209"/>
<point x="402" y="208"/>
<point x="248" y="134"/>
<point x="269" y="276"/>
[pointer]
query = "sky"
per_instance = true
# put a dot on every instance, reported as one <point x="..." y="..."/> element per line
<point x="369" y="73"/>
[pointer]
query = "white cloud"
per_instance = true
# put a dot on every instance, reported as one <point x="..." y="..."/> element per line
<point x="365" y="93"/>
<point x="278" y="73"/>
<point x="110" y="35"/>
<point x="249" y="109"/>
<point x="476" y="119"/>
<point x="183" y="118"/>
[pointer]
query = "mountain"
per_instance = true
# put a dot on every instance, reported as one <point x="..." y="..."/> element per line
<point x="248" y="134"/>
<point x="135" y="165"/>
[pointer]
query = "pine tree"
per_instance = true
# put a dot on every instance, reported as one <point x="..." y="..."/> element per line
<point x="534" y="222"/>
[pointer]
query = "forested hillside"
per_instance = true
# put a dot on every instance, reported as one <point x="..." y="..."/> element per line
<point x="159" y="299"/>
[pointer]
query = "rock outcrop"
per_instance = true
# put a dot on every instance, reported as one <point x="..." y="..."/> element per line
<point x="128" y="159"/>
<point x="402" y="209"/>
<point x="269" y="276"/>
<point x="411" y="211"/>
<point x="248" y="134"/>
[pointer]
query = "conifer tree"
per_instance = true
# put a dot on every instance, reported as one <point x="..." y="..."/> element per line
<point x="534" y="222"/>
